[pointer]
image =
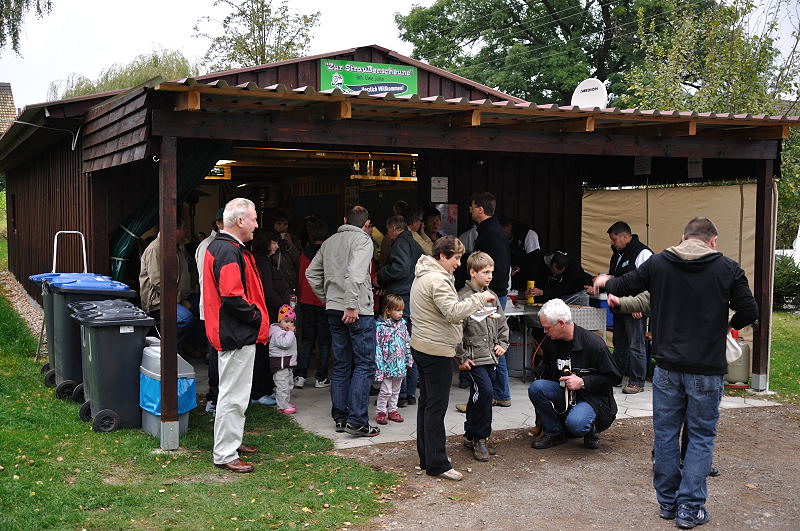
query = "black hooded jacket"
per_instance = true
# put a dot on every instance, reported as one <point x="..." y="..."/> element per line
<point x="591" y="360"/>
<point x="691" y="289"/>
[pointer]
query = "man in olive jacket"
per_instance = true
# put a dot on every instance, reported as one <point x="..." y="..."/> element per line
<point x="576" y="383"/>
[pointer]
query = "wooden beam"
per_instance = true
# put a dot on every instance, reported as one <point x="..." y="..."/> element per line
<point x="168" y="198"/>
<point x="762" y="283"/>
<point x="777" y="132"/>
<point x="287" y="129"/>
<point x="686" y="128"/>
<point x="336" y="110"/>
<point x="585" y="124"/>
<point x="188" y="101"/>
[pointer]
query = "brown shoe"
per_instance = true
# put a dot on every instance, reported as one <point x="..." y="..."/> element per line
<point x="632" y="389"/>
<point x="237" y="465"/>
<point x="461" y="408"/>
<point x="244" y="449"/>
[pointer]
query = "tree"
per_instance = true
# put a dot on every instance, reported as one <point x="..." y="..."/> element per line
<point x="169" y="64"/>
<point x="538" y="50"/>
<point x="254" y="33"/>
<point x="12" y="13"/>
<point x="712" y="61"/>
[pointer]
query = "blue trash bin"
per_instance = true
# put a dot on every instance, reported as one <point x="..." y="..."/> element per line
<point x="43" y="280"/>
<point x="66" y="346"/>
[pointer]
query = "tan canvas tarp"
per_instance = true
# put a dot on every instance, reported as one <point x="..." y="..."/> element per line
<point x="659" y="215"/>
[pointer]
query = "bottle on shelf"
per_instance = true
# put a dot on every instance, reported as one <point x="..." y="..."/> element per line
<point x="356" y="167"/>
<point x="413" y="168"/>
<point x="293" y="299"/>
<point x="382" y="170"/>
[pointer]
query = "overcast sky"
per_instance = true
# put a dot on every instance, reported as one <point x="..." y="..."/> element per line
<point x="86" y="36"/>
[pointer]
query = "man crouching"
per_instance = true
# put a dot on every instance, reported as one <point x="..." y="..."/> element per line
<point x="576" y="380"/>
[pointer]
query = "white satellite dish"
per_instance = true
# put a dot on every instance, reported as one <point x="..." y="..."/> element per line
<point x="590" y="93"/>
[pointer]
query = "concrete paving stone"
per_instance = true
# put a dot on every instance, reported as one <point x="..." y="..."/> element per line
<point x="313" y="410"/>
<point x="633" y="412"/>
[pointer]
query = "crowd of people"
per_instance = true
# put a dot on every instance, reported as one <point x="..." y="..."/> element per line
<point x="390" y="311"/>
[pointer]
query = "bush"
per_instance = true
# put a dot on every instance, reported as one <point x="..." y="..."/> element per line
<point x="786" y="291"/>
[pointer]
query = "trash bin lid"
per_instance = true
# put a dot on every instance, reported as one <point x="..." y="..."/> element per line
<point x="151" y="364"/>
<point x="114" y="317"/>
<point x="108" y="287"/>
<point x="82" y="306"/>
<point x="62" y="277"/>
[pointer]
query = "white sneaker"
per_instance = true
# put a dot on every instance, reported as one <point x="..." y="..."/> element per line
<point x="211" y="407"/>
<point x="299" y="382"/>
<point x="325" y="382"/>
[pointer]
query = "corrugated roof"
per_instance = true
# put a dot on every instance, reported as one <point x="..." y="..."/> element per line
<point x="218" y="96"/>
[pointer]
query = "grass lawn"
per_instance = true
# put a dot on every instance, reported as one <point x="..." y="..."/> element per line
<point x="784" y="371"/>
<point x="55" y="472"/>
<point x="3" y="254"/>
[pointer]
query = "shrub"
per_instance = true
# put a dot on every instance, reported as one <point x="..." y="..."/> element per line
<point x="786" y="291"/>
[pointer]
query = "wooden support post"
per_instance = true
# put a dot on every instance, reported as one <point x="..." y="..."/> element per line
<point x="167" y="210"/>
<point x="764" y="260"/>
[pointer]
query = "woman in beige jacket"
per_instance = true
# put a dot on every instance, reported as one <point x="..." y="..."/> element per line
<point x="437" y="314"/>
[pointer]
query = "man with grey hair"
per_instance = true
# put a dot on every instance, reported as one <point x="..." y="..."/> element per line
<point x="236" y="319"/>
<point x="692" y="288"/>
<point x="573" y="391"/>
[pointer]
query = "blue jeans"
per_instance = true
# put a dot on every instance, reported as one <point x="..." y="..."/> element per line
<point x="501" y="389"/>
<point x="409" y="385"/>
<point x="353" y="367"/>
<point x="547" y="398"/>
<point x="629" y="349"/>
<point x="314" y="328"/>
<point x="680" y="397"/>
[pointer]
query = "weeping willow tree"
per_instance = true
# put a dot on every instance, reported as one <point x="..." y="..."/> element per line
<point x="169" y="64"/>
<point x="12" y="14"/>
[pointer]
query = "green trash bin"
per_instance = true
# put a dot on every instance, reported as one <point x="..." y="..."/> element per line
<point x="66" y="347"/>
<point x="112" y="337"/>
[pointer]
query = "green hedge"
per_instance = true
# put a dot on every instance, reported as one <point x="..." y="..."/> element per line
<point x="786" y="292"/>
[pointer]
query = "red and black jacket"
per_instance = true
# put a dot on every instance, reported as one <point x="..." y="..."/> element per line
<point x="233" y="296"/>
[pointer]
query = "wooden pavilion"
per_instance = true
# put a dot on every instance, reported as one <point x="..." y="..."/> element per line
<point x="89" y="163"/>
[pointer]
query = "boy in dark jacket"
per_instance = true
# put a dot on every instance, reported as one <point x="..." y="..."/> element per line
<point x="574" y="392"/>
<point x="485" y="341"/>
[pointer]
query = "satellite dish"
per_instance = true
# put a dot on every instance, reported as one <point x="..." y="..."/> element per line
<point x="590" y="93"/>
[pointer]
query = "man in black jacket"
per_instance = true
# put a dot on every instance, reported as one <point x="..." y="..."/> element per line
<point x="692" y="286"/>
<point x="396" y="277"/>
<point x="557" y="277"/>
<point x="628" y="253"/>
<point x="492" y="241"/>
<point x="575" y="388"/>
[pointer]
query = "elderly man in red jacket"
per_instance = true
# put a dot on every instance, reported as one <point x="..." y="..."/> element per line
<point x="236" y="319"/>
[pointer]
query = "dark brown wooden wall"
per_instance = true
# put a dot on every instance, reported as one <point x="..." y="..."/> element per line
<point x="542" y="191"/>
<point x="306" y="73"/>
<point x="48" y="194"/>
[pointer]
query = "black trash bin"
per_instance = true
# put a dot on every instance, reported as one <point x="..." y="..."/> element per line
<point x="112" y="337"/>
<point x="43" y="280"/>
<point x="66" y="345"/>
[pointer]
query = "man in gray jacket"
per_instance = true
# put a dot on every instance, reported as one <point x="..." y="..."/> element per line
<point x="339" y="274"/>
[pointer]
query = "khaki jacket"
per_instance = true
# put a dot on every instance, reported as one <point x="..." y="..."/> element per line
<point x="150" y="276"/>
<point x="339" y="274"/>
<point x="436" y="312"/>
<point x="480" y="338"/>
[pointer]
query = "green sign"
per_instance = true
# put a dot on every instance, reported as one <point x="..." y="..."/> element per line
<point x="375" y="78"/>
